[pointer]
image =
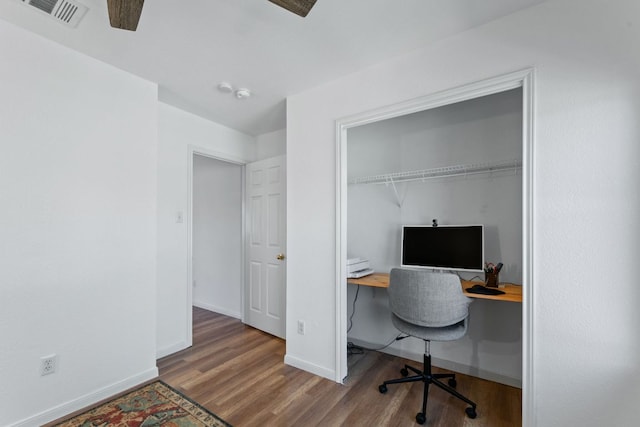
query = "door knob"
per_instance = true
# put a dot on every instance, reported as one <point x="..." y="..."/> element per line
<point x="280" y="257"/>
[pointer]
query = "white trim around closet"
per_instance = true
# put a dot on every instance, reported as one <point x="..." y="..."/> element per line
<point x="520" y="79"/>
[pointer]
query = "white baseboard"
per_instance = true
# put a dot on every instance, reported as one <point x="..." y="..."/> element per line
<point x="447" y="364"/>
<point x="476" y="372"/>
<point x="87" y="400"/>
<point x="174" y="348"/>
<point x="309" y="367"/>
<point x="216" y="309"/>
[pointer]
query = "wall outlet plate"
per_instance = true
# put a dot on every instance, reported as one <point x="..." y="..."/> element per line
<point x="48" y="364"/>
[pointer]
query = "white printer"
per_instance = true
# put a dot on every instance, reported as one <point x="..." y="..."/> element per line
<point x="358" y="267"/>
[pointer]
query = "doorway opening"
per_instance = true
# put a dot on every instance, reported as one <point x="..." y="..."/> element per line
<point x="236" y="239"/>
<point x="522" y="80"/>
<point x="216" y="235"/>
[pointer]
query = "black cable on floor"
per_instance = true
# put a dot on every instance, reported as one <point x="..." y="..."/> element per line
<point x="354" y="349"/>
<point x="358" y="349"/>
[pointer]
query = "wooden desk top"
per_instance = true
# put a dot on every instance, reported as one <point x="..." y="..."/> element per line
<point x="512" y="293"/>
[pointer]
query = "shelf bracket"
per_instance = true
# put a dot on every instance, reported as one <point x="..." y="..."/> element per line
<point x="395" y="191"/>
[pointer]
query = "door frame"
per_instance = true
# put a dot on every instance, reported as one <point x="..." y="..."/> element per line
<point x="520" y="79"/>
<point x="193" y="150"/>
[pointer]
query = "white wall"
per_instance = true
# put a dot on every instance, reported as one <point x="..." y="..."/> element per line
<point x="271" y="144"/>
<point x="179" y="132"/>
<point x="217" y="235"/>
<point x="77" y="228"/>
<point x="586" y="354"/>
<point x="476" y="131"/>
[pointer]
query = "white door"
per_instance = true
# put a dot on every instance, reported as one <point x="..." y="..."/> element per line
<point x="266" y="235"/>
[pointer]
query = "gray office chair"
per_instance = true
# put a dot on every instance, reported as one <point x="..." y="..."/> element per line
<point x="429" y="306"/>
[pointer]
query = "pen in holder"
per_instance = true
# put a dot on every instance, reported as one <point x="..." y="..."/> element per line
<point x="491" y="279"/>
<point x="491" y="274"/>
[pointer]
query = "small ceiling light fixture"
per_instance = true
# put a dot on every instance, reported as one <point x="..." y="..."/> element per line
<point x="243" y="93"/>
<point x="225" y="87"/>
<point x="240" y="93"/>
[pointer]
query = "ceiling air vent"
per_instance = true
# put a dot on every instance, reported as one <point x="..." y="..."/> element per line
<point x="67" y="12"/>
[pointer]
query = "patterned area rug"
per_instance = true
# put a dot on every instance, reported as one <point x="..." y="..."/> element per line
<point x="155" y="404"/>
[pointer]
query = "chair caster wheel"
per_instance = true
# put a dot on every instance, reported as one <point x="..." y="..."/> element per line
<point x="382" y="388"/>
<point x="471" y="412"/>
<point x="420" y="418"/>
<point x="453" y="383"/>
<point x="404" y="372"/>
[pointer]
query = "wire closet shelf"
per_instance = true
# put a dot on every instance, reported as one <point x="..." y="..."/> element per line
<point x="441" y="172"/>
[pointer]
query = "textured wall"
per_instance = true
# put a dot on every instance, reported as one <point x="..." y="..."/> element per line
<point x="77" y="228"/>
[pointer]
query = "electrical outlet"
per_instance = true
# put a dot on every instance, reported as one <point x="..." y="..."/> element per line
<point x="301" y="327"/>
<point x="48" y="364"/>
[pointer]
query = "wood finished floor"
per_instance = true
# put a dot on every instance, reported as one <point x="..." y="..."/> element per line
<point x="238" y="373"/>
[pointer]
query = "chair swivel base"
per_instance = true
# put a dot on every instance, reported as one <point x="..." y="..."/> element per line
<point x="428" y="378"/>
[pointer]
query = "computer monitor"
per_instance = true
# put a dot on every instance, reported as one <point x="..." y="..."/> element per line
<point x="445" y="247"/>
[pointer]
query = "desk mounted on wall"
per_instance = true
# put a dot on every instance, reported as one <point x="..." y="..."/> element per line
<point x="512" y="293"/>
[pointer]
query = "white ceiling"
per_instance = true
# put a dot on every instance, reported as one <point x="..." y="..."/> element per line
<point x="189" y="46"/>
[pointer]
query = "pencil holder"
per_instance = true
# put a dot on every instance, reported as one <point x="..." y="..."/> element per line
<point x="491" y="279"/>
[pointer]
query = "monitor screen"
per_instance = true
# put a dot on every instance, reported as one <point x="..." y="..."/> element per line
<point x="446" y="247"/>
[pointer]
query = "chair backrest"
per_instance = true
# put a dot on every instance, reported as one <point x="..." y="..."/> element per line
<point x="426" y="298"/>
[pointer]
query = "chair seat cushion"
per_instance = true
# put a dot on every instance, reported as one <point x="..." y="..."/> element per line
<point x="446" y="333"/>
